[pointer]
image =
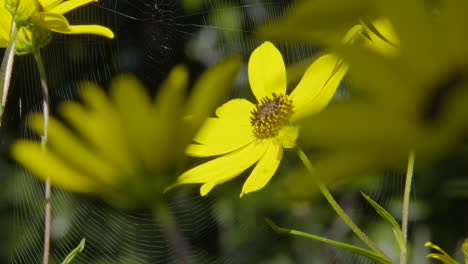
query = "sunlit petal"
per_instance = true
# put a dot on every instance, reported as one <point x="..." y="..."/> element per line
<point x="264" y="169"/>
<point x="86" y="29"/>
<point x="318" y="85"/>
<point x="267" y="72"/>
<point x="224" y="168"/>
<point x="66" y="6"/>
<point x="220" y="131"/>
<point x="287" y="136"/>
<point x="48" y="4"/>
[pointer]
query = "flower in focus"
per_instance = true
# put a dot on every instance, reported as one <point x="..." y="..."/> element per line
<point x="47" y="14"/>
<point x="246" y="133"/>
<point x="124" y="143"/>
<point x="443" y="256"/>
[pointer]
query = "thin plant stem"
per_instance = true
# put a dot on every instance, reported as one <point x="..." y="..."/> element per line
<point x="45" y="111"/>
<point x="164" y="216"/>
<point x="7" y="66"/>
<point x="406" y="201"/>
<point x="334" y="204"/>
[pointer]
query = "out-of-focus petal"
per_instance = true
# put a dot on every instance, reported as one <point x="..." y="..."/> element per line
<point x="169" y="108"/>
<point x="465" y="250"/>
<point x="111" y="142"/>
<point x="267" y="72"/>
<point x="208" y="92"/>
<point x="383" y="38"/>
<point x="264" y="169"/>
<point x="223" y="168"/>
<point x="73" y="151"/>
<point x="318" y="85"/>
<point x="136" y="111"/>
<point x="444" y="257"/>
<point x="45" y="164"/>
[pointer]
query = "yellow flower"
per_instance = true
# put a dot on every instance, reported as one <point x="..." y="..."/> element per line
<point x="126" y="145"/>
<point x="414" y="100"/>
<point x="443" y="256"/>
<point x="51" y="17"/>
<point x="47" y="14"/>
<point x="246" y="133"/>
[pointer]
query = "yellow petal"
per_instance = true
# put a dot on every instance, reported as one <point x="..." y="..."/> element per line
<point x="444" y="257"/>
<point x="264" y="169"/>
<point x="49" y="4"/>
<point x="75" y="152"/>
<point x="209" y="91"/>
<point x="224" y="168"/>
<point x="66" y="6"/>
<point x="318" y="85"/>
<point x="59" y="24"/>
<point x="170" y="137"/>
<point x="87" y="29"/>
<point x="25" y="8"/>
<point x="223" y="132"/>
<point x="287" y="136"/>
<point x="52" y="21"/>
<point x="237" y="110"/>
<point x="134" y="106"/>
<point x="229" y="132"/>
<point x="198" y="150"/>
<point x="45" y="164"/>
<point x="95" y="125"/>
<point x="385" y="40"/>
<point x="267" y="72"/>
<point x="5" y="26"/>
<point x="465" y="250"/>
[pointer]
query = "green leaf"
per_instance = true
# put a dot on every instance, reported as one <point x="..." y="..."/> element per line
<point x="75" y="252"/>
<point x="360" y="251"/>
<point x="389" y="219"/>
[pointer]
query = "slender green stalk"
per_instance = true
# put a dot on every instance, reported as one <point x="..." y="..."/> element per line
<point x="406" y="201"/>
<point x="164" y="216"/>
<point x="46" y="107"/>
<point x="7" y="67"/>
<point x="349" y="222"/>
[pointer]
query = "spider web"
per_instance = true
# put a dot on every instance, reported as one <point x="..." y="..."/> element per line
<point x="151" y="37"/>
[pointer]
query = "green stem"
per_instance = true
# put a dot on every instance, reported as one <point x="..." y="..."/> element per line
<point x="324" y="189"/>
<point x="46" y="107"/>
<point x="164" y="216"/>
<point x="406" y="201"/>
<point x="7" y="67"/>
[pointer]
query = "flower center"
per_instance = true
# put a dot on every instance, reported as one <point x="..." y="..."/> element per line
<point x="270" y="115"/>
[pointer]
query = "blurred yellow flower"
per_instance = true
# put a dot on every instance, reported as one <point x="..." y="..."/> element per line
<point x="47" y="14"/>
<point x="443" y="256"/>
<point x="327" y="21"/>
<point x="125" y="143"/>
<point x="246" y="133"/>
<point x="413" y="100"/>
